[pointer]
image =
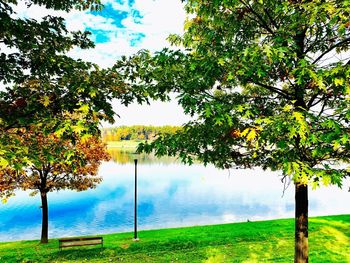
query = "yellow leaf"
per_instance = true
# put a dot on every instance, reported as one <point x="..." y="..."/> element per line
<point x="60" y="132"/>
<point x="339" y="82"/>
<point x="336" y="146"/>
<point x="245" y="132"/>
<point x="85" y="137"/>
<point x="303" y="180"/>
<point x="45" y="101"/>
<point x="92" y="94"/>
<point x="314" y="185"/>
<point x="78" y="128"/>
<point x="251" y="135"/>
<point x="347" y="90"/>
<point x="221" y="61"/>
<point x="298" y="116"/>
<point x="188" y="23"/>
<point x="288" y="168"/>
<point x="84" y="108"/>
<point x="3" y="162"/>
<point x="326" y="180"/>
<point x="287" y="108"/>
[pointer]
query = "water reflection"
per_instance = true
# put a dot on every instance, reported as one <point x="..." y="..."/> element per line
<point x="170" y="194"/>
<point x="127" y="155"/>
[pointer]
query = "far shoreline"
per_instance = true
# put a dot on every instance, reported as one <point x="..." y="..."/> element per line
<point x="130" y="144"/>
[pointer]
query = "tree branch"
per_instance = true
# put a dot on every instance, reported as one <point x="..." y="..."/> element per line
<point x="330" y="49"/>
<point x="312" y="99"/>
<point x="322" y="109"/>
<point x="263" y="23"/>
<point x="272" y="89"/>
<point x="271" y="19"/>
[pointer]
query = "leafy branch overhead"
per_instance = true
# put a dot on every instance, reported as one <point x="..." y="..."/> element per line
<point x="41" y="85"/>
<point x="268" y="83"/>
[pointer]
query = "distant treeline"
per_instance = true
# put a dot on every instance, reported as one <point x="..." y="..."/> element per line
<point x="136" y="132"/>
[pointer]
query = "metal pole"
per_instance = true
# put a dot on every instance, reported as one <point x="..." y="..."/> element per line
<point x="135" y="204"/>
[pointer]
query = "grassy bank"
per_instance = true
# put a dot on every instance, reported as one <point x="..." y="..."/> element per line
<point x="329" y="241"/>
<point x="123" y="144"/>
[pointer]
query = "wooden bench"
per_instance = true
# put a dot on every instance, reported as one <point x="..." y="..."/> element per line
<point x="80" y="241"/>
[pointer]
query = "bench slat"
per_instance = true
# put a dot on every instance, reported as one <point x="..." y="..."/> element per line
<point x="78" y="238"/>
<point x="80" y="241"/>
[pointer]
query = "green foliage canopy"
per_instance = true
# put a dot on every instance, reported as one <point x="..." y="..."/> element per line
<point x="40" y="85"/>
<point x="267" y="81"/>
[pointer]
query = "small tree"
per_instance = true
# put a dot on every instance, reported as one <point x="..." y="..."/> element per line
<point x="57" y="164"/>
<point x="267" y="83"/>
<point x="40" y="83"/>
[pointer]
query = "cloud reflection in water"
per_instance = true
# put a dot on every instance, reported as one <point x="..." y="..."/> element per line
<point x="170" y="194"/>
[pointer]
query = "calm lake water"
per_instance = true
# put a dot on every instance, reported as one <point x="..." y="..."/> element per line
<point x="170" y="194"/>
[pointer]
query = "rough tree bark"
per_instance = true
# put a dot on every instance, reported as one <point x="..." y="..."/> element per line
<point x="301" y="224"/>
<point x="45" y="218"/>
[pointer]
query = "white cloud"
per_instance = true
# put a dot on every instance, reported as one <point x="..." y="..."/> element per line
<point x="117" y="5"/>
<point x="159" y="19"/>
<point x="156" y="114"/>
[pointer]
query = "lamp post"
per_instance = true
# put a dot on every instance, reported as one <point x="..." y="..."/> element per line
<point x="135" y="205"/>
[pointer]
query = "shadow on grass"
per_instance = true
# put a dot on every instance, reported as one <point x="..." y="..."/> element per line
<point x="80" y="253"/>
<point x="143" y="251"/>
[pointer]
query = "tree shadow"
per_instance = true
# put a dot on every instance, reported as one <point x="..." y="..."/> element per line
<point x="80" y="253"/>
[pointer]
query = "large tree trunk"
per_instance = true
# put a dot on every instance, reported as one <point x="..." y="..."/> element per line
<point x="301" y="224"/>
<point x="45" y="218"/>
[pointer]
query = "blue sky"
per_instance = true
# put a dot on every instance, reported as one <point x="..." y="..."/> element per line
<point x="123" y="28"/>
<point x="117" y="17"/>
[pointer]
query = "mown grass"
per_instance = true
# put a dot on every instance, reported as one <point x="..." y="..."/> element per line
<point x="273" y="241"/>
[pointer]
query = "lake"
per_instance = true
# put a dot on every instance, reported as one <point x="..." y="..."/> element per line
<point x="170" y="194"/>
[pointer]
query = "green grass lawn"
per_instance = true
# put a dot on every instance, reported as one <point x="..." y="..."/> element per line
<point x="273" y="241"/>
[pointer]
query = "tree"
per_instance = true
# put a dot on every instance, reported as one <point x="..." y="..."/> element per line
<point x="137" y="132"/>
<point x="39" y="81"/>
<point x="267" y="83"/>
<point x="57" y="164"/>
<point x="42" y="86"/>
